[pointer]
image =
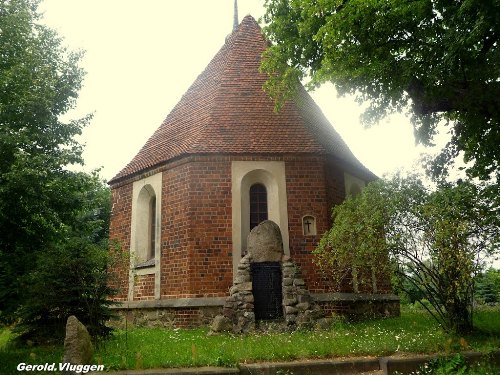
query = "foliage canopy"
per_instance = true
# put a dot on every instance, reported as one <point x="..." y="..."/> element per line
<point x="435" y="240"/>
<point x="437" y="59"/>
<point x="50" y="216"/>
<point x="69" y="276"/>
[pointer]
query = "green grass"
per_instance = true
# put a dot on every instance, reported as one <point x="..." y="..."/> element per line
<point x="10" y="357"/>
<point x="454" y="365"/>
<point x="413" y="332"/>
<point x="5" y="336"/>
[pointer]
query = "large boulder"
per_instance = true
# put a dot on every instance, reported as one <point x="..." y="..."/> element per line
<point x="78" y="348"/>
<point x="265" y="243"/>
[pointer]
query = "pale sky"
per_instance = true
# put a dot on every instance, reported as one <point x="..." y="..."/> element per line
<point x="141" y="57"/>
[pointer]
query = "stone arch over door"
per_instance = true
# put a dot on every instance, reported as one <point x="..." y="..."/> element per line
<point x="244" y="174"/>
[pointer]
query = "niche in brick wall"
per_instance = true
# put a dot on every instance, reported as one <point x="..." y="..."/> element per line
<point x="309" y="225"/>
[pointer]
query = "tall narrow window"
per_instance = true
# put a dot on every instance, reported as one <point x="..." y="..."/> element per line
<point x="258" y="204"/>
<point x="152" y="228"/>
<point x="145" y="227"/>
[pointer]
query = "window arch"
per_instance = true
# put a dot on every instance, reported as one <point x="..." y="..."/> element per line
<point x="146" y="227"/>
<point x="145" y="232"/>
<point x="244" y="174"/>
<point x="258" y="204"/>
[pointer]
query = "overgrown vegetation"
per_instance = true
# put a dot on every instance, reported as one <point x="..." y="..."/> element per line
<point x="53" y="221"/>
<point x="413" y="332"/>
<point x="434" y="242"/>
<point x="455" y="365"/>
<point x="70" y="276"/>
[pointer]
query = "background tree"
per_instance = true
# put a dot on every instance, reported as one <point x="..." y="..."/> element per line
<point x="435" y="241"/>
<point x="487" y="287"/>
<point x="39" y="81"/>
<point x="69" y="276"/>
<point x="47" y="223"/>
<point x="439" y="58"/>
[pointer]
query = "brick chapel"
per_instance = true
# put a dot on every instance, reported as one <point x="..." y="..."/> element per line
<point x="221" y="162"/>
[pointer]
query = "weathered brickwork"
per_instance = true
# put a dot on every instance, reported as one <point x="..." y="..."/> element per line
<point x="210" y="240"/>
<point x="175" y="232"/>
<point x="313" y="187"/>
<point x="144" y="287"/>
<point x="335" y="186"/>
<point x="196" y="228"/>
<point x="196" y="237"/>
<point x="119" y="234"/>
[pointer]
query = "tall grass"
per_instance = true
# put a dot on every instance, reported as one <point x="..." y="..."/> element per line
<point x="413" y="332"/>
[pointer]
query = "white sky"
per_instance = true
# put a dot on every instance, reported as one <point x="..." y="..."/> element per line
<point x="141" y="57"/>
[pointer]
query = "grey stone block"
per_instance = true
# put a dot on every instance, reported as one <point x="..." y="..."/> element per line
<point x="299" y="282"/>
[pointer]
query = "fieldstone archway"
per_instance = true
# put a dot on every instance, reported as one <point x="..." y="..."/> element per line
<point x="248" y="301"/>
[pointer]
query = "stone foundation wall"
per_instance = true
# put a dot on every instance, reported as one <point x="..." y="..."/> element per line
<point x="164" y="317"/>
<point x="187" y="313"/>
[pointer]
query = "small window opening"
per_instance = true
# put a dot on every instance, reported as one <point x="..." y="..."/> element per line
<point x="258" y="204"/>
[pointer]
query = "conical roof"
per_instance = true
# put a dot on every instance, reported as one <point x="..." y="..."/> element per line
<point x="226" y="111"/>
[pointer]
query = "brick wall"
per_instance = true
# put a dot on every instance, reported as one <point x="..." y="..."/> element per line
<point x="174" y="232"/>
<point x="119" y="234"/>
<point x="210" y="214"/>
<point x="196" y="237"/>
<point x="144" y="287"/>
<point x="313" y="187"/>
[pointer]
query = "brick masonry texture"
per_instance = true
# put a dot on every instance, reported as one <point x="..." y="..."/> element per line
<point x="311" y="191"/>
<point x="119" y="234"/>
<point x="196" y="230"/>
<point x="144" y="287"/>
<point x="225" y="116"/>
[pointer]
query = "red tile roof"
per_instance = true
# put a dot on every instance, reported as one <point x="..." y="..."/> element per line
<point x="225" y="111"/>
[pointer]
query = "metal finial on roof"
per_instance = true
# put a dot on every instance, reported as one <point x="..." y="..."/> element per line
<point x="235" y="22"/>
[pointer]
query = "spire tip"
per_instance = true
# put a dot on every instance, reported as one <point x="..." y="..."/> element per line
<point x="235" y="21"/>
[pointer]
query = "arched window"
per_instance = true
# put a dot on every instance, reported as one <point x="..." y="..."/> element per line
<point x="145" y="232"/>
<point x="258" y="204"/>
